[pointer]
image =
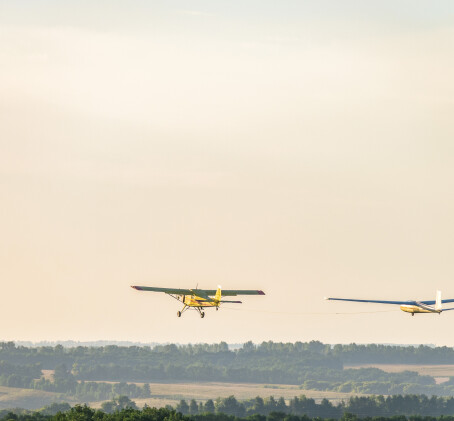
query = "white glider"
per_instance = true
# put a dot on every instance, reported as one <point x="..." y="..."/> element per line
<point x="409" y="306"/>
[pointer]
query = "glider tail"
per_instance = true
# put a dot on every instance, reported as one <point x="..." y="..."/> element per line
<point x="438" y="303"/>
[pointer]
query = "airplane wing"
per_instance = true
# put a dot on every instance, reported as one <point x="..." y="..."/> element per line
<point x="233" y="292"/>
<point x="203" y="293"/>
<point x="175" y="291"/>
<point x="372" y="301"/>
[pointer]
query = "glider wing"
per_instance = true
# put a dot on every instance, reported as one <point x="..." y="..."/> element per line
<point x="371" y="301"/>
<point x="433" y="302"/>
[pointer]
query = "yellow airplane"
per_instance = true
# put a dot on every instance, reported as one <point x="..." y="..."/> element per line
<point x="198" y="299"/>
<point x="410" y="306"/>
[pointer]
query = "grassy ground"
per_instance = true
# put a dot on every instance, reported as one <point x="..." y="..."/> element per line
<point x="173" y="393"/>
<point x="48" y="374"/>
<point x="170" y="394"/>
<point x="13" y="397"/>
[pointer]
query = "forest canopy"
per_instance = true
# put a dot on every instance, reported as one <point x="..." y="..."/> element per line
<point x="81" y="370"/>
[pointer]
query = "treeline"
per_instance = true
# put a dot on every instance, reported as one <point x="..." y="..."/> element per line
<point x="299" y="354"/>
<point x="370" y="406"/>
<point x="267" y="363"/>
<point x="312" y="353"/>
<point x="363" y="381"/>
<point x="63" y="381"/>
<point x="96" y="391"/>
<point x="391" y="354"/>
<point x="12" y="375"/>
<point x="85" y="413"/>
<point x="375" y="381"/>
<point x="312" y="365"/>
<point x="277" y="373"/>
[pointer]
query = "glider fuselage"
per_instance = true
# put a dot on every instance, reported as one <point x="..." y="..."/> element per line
<point x="418" y="308"/>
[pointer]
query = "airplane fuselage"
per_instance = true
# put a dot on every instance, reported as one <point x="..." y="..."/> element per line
<point x="194" y="301"/>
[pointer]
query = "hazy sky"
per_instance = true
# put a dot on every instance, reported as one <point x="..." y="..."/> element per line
<point x="305" y="148"/>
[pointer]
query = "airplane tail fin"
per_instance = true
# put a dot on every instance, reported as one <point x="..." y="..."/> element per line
<point x="217" y="297"/>
<point x="438" y="303"/>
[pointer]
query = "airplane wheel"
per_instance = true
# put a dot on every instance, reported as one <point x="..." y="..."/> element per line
<point x="412" y="314"/>
<point x="202" y="314"/>
<point x="217" y="308"/>
<point x="179" y="313"/>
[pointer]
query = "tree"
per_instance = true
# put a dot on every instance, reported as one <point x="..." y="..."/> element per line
<point x="230" y="406"/>
<point x="349" y="417"/>
<point x="259" y="406"/>
<point x="193" y="407"/>
<point x="146" y="390"/>
<point x="61" y="372"/>
<point x="80" y="413"/>
<point x="209" y="406"/>
<point x="281" y="406"/>
<point x="75" y="369"/>
<point x="123" y="402"/>
<point x="109" y="407"/>
<point x="248" y="346"/>
<point x="118" y="404"/>
<point x="276" y="416"/>
<point x="55" y="407"/>
<point x="182" y="407"/>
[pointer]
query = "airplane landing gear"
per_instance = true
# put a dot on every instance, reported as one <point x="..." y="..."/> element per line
<point x="412" y="314"/>
<point x="200" y="310"/>
<point x="179" y="313"/>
